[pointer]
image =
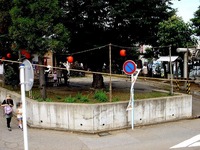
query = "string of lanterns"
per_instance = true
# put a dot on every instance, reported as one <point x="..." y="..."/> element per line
<point x="70" y="58"/>
<point x="23" y="52"/>
<point x="122" y="53"/>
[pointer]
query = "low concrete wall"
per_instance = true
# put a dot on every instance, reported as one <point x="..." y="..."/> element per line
<point x="93" y="118"/>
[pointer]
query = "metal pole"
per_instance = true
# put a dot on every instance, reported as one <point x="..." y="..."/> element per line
<point x="171" y="80"/>
<point x="23" y="97"/>
<point x="110" y="89"/>
<point x="187" y="63"/>
<point x="132" y="100"/>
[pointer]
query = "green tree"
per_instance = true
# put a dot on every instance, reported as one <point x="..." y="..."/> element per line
<point x="11" y="74"/>
<point x="175" y="32"/>
<point x="120" y="22"/>
<point x="196" y="22"/>
<point x="5" y="41"/>
<point x="36" y="27"/>
<point x="5" y="21"/>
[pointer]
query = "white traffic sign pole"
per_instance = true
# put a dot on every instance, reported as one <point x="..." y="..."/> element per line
<point x="23" y="99"/>
<point x="132" y="99"/>
<point x="131" y="102"/>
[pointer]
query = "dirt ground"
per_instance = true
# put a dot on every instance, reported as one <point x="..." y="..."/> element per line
<point x="85" y="83"/>
<point x="120" y="87"/>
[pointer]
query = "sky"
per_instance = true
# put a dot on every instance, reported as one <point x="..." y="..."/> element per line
<point x="186" y="8"/>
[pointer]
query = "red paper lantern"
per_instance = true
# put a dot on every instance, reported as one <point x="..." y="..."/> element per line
<point x="8" y="55"/>
<point x="70" y="59"/>
<point x="26" y="54"/>
<point x="23" y="51"/>
<point x="122" y="52"/>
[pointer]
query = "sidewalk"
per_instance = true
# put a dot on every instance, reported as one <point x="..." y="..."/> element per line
<point x="37" y="139"/>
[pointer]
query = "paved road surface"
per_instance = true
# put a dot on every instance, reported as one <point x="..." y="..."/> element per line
<point x="156" y="137"/>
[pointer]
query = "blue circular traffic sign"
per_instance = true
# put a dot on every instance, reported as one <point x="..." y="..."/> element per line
<point x="129" y="67"/>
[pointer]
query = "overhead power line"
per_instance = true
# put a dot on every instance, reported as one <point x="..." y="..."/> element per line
<point x="114" y="45"/>
<point x="88" y="50"/>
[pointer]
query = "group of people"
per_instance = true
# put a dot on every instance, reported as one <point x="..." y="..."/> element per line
<point x="57" y="74"/>
<point x="7" y="105"/>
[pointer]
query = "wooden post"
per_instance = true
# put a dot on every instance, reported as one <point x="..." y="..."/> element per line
<point x="171" y="80"/>
<point x="110" y="68"/>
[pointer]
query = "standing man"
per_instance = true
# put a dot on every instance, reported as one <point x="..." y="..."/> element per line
<point x="7" y="104"/>
<point x="59" y="75"/>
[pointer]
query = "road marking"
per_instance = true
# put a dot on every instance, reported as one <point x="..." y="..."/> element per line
<point x="192" y="142"/>
<point x="195" y="144"/>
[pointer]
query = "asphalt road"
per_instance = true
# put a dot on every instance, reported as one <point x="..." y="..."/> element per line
<point x="180" y="135"/>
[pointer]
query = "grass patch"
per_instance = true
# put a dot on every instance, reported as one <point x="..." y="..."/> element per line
<point x="101" y="96"/>
<point x="98" y="96"/>
<point x="83" y="95"/>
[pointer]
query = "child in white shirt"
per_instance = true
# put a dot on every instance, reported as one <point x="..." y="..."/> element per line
<point x="19" y="115"/>
<point x="55" y="78"/>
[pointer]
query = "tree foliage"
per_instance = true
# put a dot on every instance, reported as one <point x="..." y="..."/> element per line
<point x="36" y="27"/>
<point x="120" y="22"/>
<point x="5" y="22"/>
<point x="196" y="21"/>
<point x="11" y="74"/>
<point x="126" y="22"/>
<point x="176" y="33"/>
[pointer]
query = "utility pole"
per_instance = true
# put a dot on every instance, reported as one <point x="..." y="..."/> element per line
<point x="171" y="75"/>
<point x="110" y="58"/>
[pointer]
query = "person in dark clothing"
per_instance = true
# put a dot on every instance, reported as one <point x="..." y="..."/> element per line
<point x="46" y="73"/>
<point x="8" y="103"/>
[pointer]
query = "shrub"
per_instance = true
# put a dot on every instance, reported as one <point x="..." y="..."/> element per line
<point x="58" y="97"/>
<point x="39" y="99"/>
<point x="78" y="95"/>
<point x="70" y="99"/>
<point x="101" y="96"/>
<point x="48" y="100"/>
<point x="11" y="75"/>
<point x="84" y="99"/>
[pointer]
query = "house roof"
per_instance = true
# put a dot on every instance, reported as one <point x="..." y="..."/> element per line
<point x="167" y="58"/>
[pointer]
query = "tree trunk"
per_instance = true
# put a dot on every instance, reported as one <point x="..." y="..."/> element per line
<point x="97" y="81"/>
<point x="42" y="79"/>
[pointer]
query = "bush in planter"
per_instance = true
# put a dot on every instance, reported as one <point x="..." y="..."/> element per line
<point x="101" y="96"/>
<point x="70" y="99"/>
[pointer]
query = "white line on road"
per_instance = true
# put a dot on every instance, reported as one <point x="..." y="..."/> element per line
<point x="192" y="142"/>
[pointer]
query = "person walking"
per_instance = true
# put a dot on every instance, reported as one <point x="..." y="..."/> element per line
<point x="55" y="78"/>
<point x="19" y="115"/>
<point x="7" y="104"/>
<point x="59" y="75"/>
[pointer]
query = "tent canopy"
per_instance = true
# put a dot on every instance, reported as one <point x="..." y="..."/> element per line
<point x="167" y="58"/>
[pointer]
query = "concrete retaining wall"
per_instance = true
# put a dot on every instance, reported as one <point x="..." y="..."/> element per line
<point x="104" y="116"/>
